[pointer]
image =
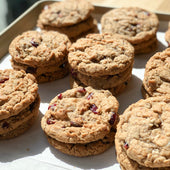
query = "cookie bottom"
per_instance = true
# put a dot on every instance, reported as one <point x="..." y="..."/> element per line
<point x="83" y="150"/>
<point x="44" y="73"/>
<point x="146" y="46"/>
<point x="17" y="125"/>
<point x="75" y="30"/>
<point x="115" y="90"/>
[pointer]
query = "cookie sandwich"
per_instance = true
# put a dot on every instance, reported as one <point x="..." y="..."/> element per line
<point x="43" y="54"/>
<point x="71" y="17"/>
<point x="81" y="121"/>
<point x="19" y="102"/>
<point x="142" y="138"/>
<point x="137" y="25"/>
<point x="102" y="62"/>
<point x="156" y="80"/>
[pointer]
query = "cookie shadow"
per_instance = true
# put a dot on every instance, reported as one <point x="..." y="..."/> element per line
<point x="28" y="144"/>
<point x="141" y="59"/>
<point x="50" y="90"/>
<point x="131" y="94"/>
<point x="104" y="160"/>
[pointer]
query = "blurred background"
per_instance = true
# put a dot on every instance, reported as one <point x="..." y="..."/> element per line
<point x="11" y="9"/>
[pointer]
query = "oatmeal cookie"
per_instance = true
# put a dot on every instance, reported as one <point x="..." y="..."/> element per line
<point x="19" y="102"/>
<point x="156" y="80"/>
<point x="100" y="54"/>
<point x="40" y="53"/>
<point x="65" y="13"/>
<point x="80" y="115"/>
<point x="142" y="138"/>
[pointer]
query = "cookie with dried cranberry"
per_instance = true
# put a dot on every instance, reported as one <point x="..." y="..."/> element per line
<point x="167" y="35"/>
<point x="44" y="54"/>
<point x="81" y="116"/>
<point x="156" y="80"/>
<point x="19" y="102"/>
<point x="134" y="24"/>
<point x="100" y="55"/>
<point x="142" y="138"/>
<point x="65" y="13"/>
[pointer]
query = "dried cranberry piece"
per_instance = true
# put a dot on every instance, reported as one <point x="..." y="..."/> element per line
<point x="5" y="125"/>
<point x="146" y="13"/>
<point x="82" y="90"/>
<point x="35" y="44"/>
<point x="126" y="145"/>
<point x="31" y="70"/>
<point x="2" y="80"/>
<point x="50" y="121"/>
<point x="113" y="118"/>
<point x="73" y="73"/>
<point x="60" y="96"/>
<point x="52" y="106"/>
<point x="93" y="108"/>
<point x="75" y="124"/>
<point x="90" y="96"/>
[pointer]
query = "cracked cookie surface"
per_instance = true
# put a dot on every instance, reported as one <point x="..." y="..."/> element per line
<point x="100" y="54"/>
<point x="132" y="23"/>
<point x="143" y="135"/>
<point x="80" y="115"/>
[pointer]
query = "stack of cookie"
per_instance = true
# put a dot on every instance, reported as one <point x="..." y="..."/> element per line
<point x="71" y="17"/>
<point x="43" y="54"/>
<point x="134" y="24"/>
<point x="156" y="80"/>
<point x="81" y="121"/>
<point x="142" y="138"/>
<point x="101" y="61"/>
<point x="167" y="35"/>
<point x="19" y="102"/>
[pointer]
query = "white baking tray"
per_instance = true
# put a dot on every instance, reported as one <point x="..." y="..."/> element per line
<point x="31" y="150"/>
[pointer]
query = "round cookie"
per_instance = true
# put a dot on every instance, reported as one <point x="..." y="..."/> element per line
<point x="65" y="13"/>
<point x="100" y="54"/>
<point x="157" y="74"/>
<point x="40" y="48"/>
<point x="19" y="102"/>
<point x="132" y="23"/>
<point x="80" y="115"/>
<point x="142" y="137"/>
<point x="43" y="54"/>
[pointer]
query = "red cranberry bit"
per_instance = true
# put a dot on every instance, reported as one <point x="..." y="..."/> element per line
<point x="82" y="90"/>
<point x="52" y="106"/>
<point x="5" y="125"/>
<point x="31" y="70"/>
<point x="50" y="121"/>
<point x="75" y="124"/>
<point x="73" y="73"/>
<point x="126" y="146"/>
<point x="113" y="118"/>
<point x="35" y="44"/>
<point x="90" y="96"/>
<point x="93" y="108"/>
<point x="60" y="96"/>
<point x="62" y="65"/>
<point x="2" y="80"/>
